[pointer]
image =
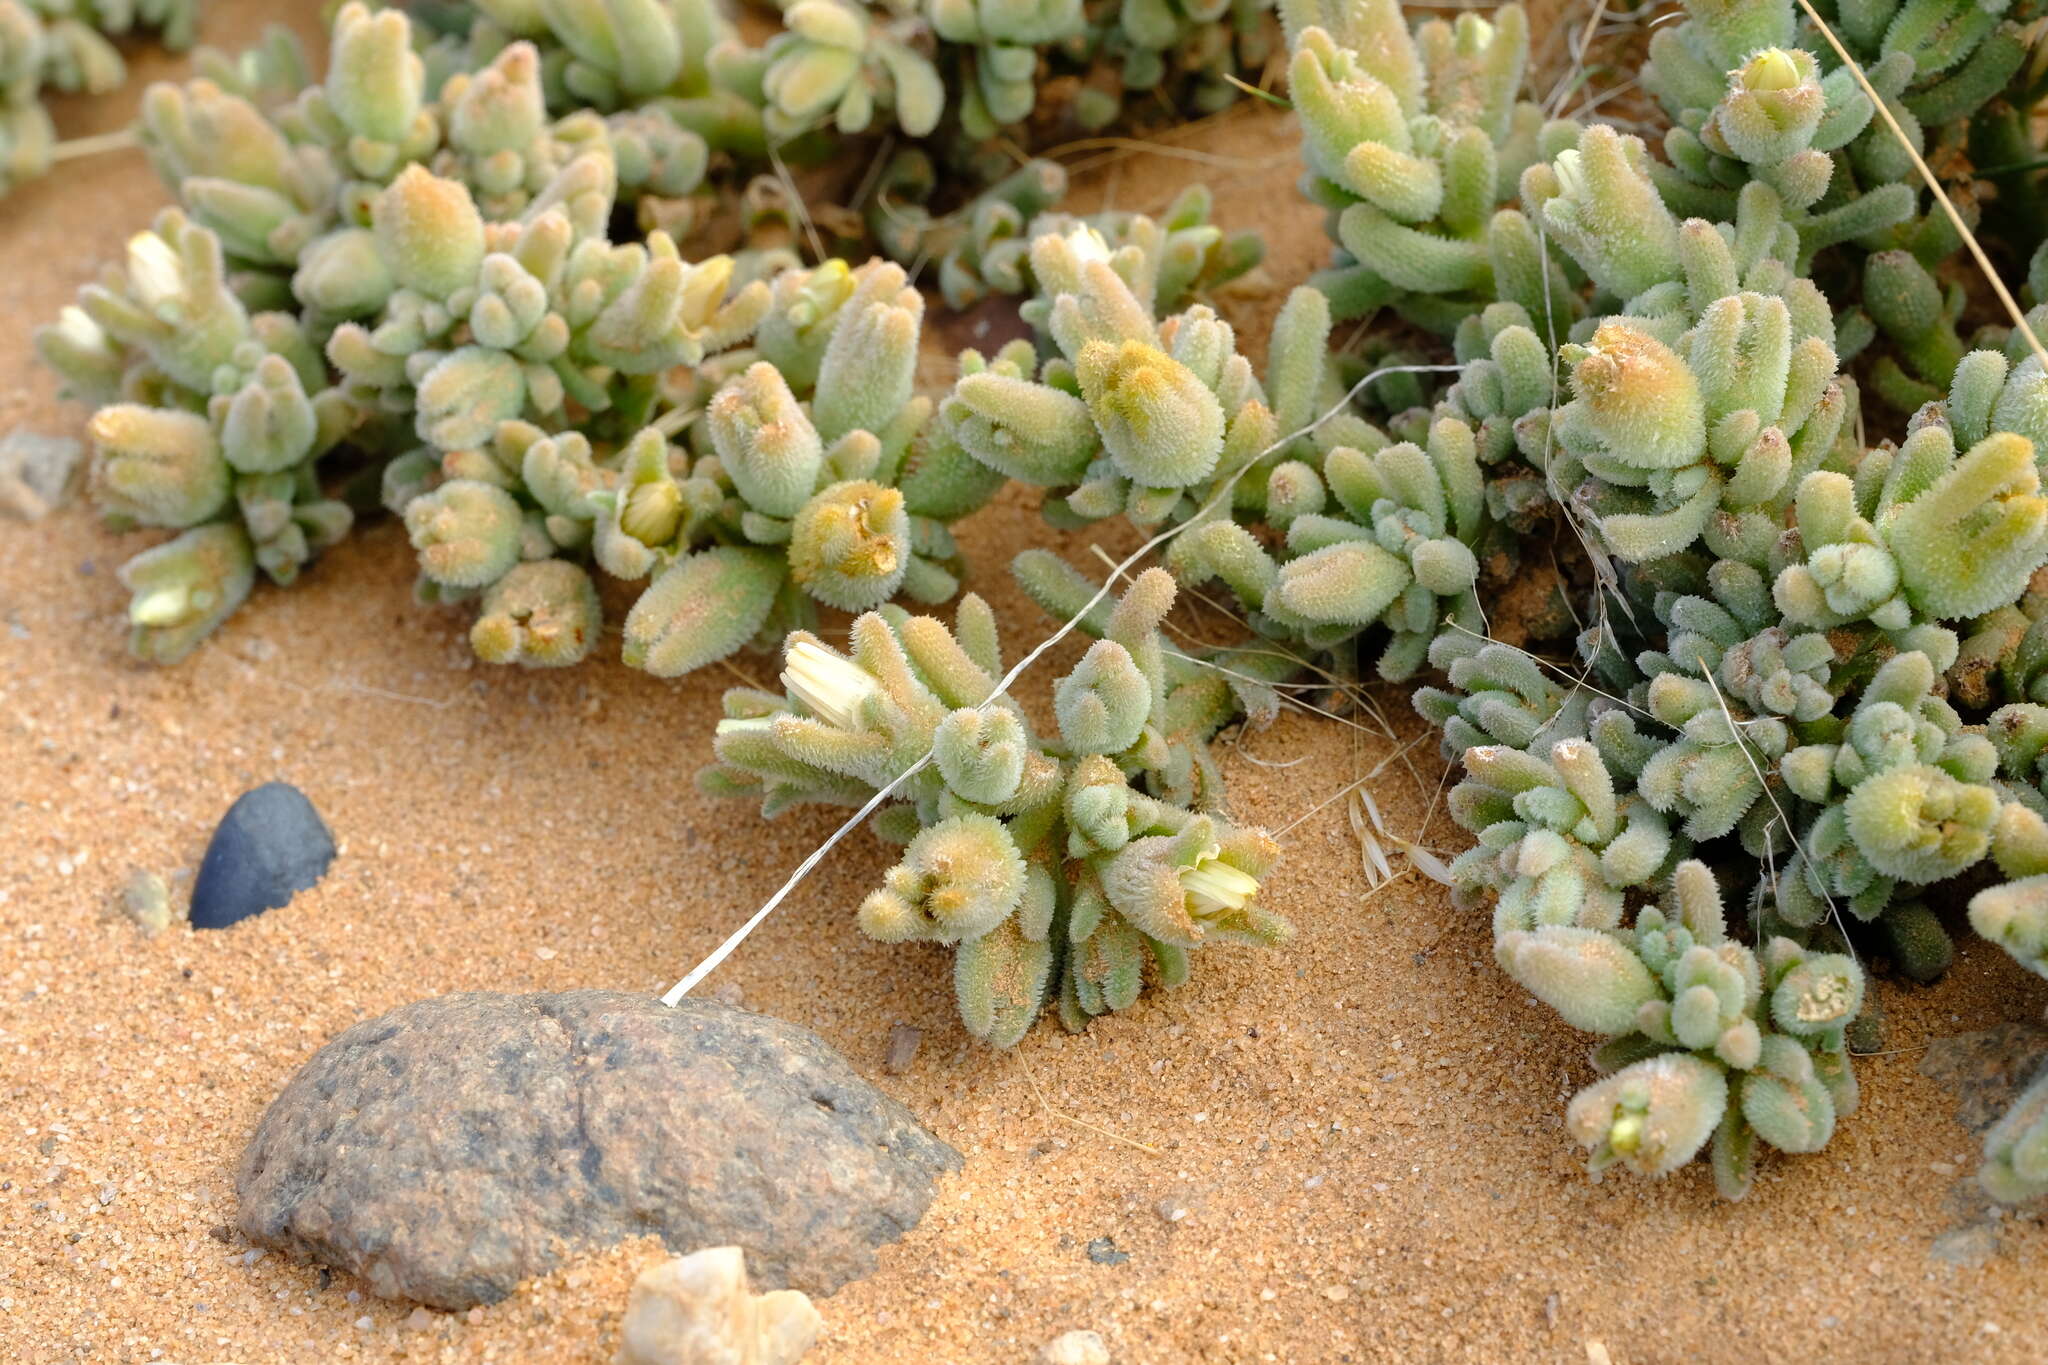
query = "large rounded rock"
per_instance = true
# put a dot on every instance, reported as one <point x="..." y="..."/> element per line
<point x="455" y="1146"/>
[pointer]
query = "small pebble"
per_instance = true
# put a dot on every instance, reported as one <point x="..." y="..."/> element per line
<point x="1103" y="1251"/>
<point x="903" y="1044"/>
<point x="37" y="472"/>
<point x="1171" y="1209"/>
<point x="147" y="901"/>
<point x="729" y="994"/>
<point x="700" y="1308"/>
<point x="270" y="845"/>
<point x="1076" y="1348"/>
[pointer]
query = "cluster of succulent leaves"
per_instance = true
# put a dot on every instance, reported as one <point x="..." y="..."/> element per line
<point x="1071" y="867"/>
<point x="400" y="284"/>
<point x="400" y="287"/>
<point x="983" y="249"/>
<point x="1771" y="688"/>
<point x="1414" y="143"/>
<point x="1805" y="665"/>
<point x="425" y="291"/>
<point x="67" y="46"/>
<point x="1756" y="92"/>
<point x="1791" y="644"/>
<point x="957" y="77"/>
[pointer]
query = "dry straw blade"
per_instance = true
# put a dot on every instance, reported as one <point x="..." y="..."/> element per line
<point x="1948" y="207"/>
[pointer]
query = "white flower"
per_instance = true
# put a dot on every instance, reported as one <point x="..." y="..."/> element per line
<point x="80" y="330"/>
<point x="1213" y="887"/>
<point x="165" y="606"/>
<point x="1087" y="244"/>
<point x="830" y="687"/>
<point x="154" y="271"/>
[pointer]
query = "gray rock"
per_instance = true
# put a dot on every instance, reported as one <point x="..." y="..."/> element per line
<point x="1970" y="1245"/>
<point x="452" y="1147"/>
<point x="270" y="846"/>
<point x="1986" y="1070"/>
<point x="903" y="1044"/>
<point x="1103" y="1251"/>
<point x="37" y="472"/>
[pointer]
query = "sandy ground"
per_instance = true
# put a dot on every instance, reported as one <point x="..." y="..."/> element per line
<point x="1364" y="1131"/>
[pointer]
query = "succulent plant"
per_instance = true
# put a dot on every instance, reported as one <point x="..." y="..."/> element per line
<point x="1756" y="92"/>
<point x="230" y="459"/>
<point x="1042" y="861"/>
<point x="1414" y="142"/>
<point x="430" y="290"/>
<point x="67" y="45"/>
<point x="1808" y="654"/>
<point x="984" y="248"/>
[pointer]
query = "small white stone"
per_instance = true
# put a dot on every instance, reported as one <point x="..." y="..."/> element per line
<point x="1076" y="1348"/>
<point x="700" y="1308"/>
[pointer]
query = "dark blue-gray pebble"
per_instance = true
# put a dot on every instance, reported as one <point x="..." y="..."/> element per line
<point x="270" y="845"/>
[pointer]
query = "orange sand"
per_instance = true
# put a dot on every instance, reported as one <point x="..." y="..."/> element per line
<point x="1364" y="1130"/>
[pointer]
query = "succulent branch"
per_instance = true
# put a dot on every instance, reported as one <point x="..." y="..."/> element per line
<point x="1041" y="860"/>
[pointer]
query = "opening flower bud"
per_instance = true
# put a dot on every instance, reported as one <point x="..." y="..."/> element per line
<point x="1214" y="887"/>
<point x="186" y="587"/>
<point x="830" y="687"/>
<point x="849" y="547"/>
<point x="1771" y="69"/>
<point x="653" y="512"/>
<point x="1160" y="425"/>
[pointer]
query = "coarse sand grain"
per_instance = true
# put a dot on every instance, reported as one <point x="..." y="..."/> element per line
<point x="1350" y="1150"/>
